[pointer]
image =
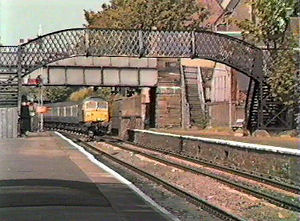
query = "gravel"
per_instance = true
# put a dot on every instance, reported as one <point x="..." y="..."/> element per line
<point x="176" y="205"/>
<point x="219" y="194"/>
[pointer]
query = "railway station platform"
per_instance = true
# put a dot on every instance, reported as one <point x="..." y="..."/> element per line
<point x="43" y="177"/>
<point x="228" y="134"/>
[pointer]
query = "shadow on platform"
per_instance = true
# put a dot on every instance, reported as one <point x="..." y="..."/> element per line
<point x="45" y="192"/>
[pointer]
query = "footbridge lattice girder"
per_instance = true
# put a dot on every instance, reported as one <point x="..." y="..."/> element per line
<point x="134" y="43"/>
<point x="21" y="60"/>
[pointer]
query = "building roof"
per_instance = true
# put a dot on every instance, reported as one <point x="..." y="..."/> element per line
<point x="236" y="34"/>
<point x="218" y="9"/>
<point x="215" y="10"/>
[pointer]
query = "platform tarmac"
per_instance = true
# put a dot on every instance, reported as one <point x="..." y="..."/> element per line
<point x="228" y="134"/>
<point x="42" y="177"/>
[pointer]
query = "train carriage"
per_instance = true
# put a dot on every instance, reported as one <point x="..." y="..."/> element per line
<point x="90" y="116"/>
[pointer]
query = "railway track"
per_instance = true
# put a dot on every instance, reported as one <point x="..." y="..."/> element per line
<point x="205" y="205"/>
<point x="243" y="187"/>
<point x="260" y="178"/>
<point x="281" y="202"/>
<point x="272" y="181"/>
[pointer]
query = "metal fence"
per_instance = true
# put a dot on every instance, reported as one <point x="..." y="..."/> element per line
<point x="8" y="122"/>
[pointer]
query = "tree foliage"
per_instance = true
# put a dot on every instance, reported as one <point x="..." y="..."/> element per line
<point x="272" y="19"/>
<point x="296" y="9"/>
<point x="57" y="94"/>
<point x="269" y="29"/>
<point x="104" y="92"/>
<point x="83" y="93"/>
<point x="283" y="79"/>
<point x="50" y="94"/>
<point x="148" y="14"/>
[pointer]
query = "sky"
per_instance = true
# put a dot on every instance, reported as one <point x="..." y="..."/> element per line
<point x="20" y="19"/>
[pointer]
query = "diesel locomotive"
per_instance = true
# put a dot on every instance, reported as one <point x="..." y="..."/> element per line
<point x="90" y="116"/>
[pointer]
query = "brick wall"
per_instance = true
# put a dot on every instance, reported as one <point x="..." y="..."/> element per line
<point x="168" y="94"/>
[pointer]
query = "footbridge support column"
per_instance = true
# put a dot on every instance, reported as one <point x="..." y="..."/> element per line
<point x="168" y="94"/>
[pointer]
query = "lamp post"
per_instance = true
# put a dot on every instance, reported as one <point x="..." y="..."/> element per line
<point x="42" y="104"/>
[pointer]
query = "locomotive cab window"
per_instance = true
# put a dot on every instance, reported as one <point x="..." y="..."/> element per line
<point x="91" y="105"/>
<point x="102" y="105"/>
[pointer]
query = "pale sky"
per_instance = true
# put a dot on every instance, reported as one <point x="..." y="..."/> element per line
<point x="22" y="18"/>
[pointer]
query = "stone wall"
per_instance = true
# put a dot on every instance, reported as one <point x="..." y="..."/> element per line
<point x="278" y="162"/>
<point x="126" y="114"/>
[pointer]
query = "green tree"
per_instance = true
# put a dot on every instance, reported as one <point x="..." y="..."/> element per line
<point x="296" y="9"/>
<point x="283" y="78"/>
<point x="270" y="23"/>
<point x="104" y="92"/>
<point x="269" y="28"/>
<point x="50" y="94"/>
<point x="147" y="14"/>
<point x="57" y="94"/>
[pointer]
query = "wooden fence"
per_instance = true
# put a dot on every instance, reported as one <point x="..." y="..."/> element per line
<point x="8" y="123"/>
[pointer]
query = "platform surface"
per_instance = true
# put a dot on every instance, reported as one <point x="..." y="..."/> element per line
<point x="228" y="134"/>
<point x="42" y="177"/>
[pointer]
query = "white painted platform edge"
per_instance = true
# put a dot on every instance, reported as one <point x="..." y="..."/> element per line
<point x="237" y="144"/>
<point x="119" y="177"/>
